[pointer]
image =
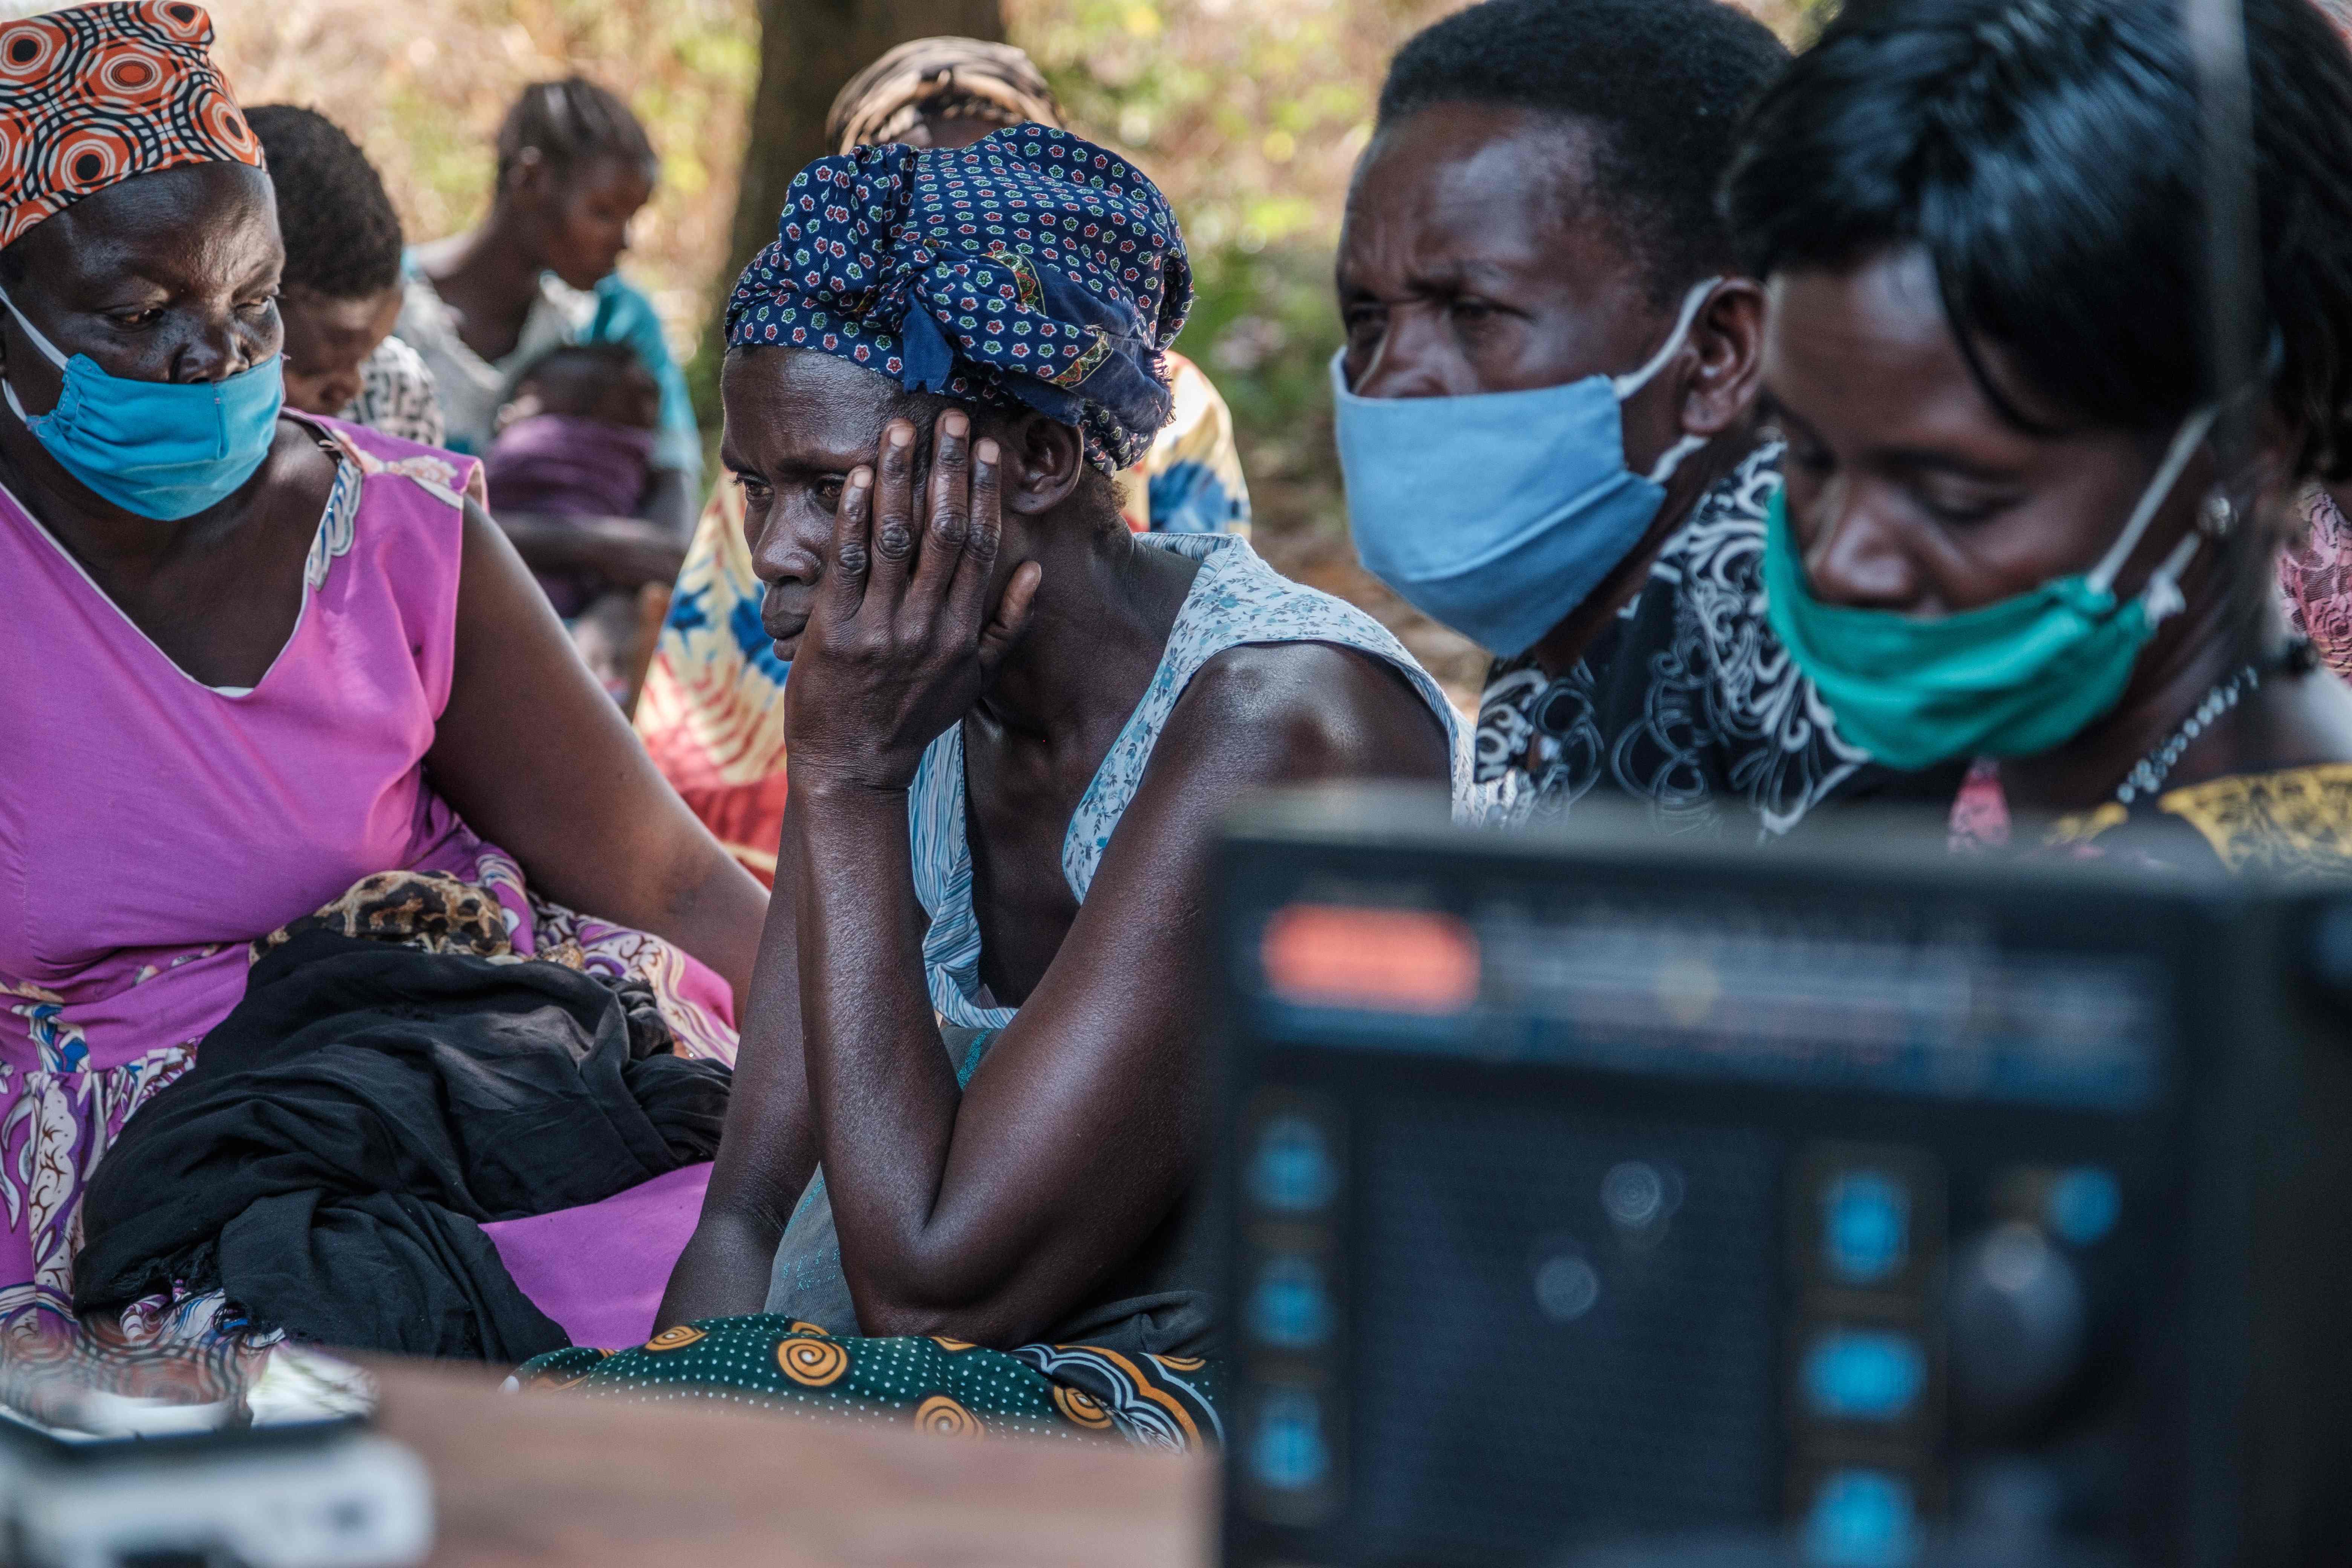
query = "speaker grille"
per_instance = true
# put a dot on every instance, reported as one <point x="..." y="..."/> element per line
<point x="1575" y="1329"/>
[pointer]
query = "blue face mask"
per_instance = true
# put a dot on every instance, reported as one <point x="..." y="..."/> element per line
<point x="164" y="449"/>
<point x="1497" y="513"/>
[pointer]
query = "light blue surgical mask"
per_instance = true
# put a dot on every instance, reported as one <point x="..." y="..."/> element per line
<point x="164" y="449"/>
<point x="1497" y="513"/>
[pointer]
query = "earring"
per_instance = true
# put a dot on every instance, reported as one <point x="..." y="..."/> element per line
<point x="2217" y="517"/>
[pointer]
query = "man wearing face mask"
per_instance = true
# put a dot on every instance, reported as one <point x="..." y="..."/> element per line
<point x="1544" y="405"/>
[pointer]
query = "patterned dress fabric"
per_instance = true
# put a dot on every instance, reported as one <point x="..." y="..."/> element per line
<point x="2291" y="824"/>
<point x="397" y="396"/>
<point x="99" y="94"/>
<point x="1030" y="269"/>
<point x="224" y="814"/>
<point x="937" y="1386"/>
<point x="2315" y="581"/>
<point x="712" y="710"/>
<point x="1687" y="702"/>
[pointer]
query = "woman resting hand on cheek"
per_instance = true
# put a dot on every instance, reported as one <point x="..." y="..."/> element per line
<point x="1015" y="727"/>
<point x="2005" y="534"/>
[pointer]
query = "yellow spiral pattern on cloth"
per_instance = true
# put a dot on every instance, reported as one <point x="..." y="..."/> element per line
<point x="801" y="1328"/>
<point x="1081" y="1408"/>
<point x="1181" y="1363"/>
<point x="951" y="1346"/>
<point x="943" y="1415"/>
<point x="676" y="1339"/>
<point x="813" y="1363"/>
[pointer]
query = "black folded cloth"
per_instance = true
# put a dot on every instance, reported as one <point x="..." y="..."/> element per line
<point x="330" y="1159"/>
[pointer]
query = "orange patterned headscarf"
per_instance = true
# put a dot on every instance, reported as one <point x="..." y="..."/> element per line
<point x="94" y="96"/>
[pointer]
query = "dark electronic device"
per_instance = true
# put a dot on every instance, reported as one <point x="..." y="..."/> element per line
<point x="1599" y="1198"/>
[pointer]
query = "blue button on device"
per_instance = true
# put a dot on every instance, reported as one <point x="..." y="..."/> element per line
<point x="1862" y="1519"/>
<point x="1288" y="1308"/>
<point x="2084" y="1204"/>
<point x="1864" y="1374"/>
<point x="1865" y="1228"/>
<point x="1287" y="1452"/>
<point x="1292" y="1172"/>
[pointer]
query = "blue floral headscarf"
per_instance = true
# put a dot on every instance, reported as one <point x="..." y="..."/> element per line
<point x="1029" y="270"/>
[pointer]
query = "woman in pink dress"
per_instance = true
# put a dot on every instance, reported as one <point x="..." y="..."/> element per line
<point x="252" y="657"/>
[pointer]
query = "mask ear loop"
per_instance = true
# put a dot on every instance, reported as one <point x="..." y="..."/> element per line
<point x="40" y="342"/>
<point x="2162" y="597"/>
<point x="40" y="339"/>
<point x="1625" y="387"/>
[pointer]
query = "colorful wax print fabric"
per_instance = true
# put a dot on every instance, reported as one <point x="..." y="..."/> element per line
<point x="2294" y="823"/>
<point x="99" y="94"/>
<point x="937" y="1385"/>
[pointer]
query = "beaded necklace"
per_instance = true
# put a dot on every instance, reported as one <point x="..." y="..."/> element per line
<point x="2148" y="775"/>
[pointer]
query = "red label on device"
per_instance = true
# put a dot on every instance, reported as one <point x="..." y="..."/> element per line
<point x="1398" y="961"/>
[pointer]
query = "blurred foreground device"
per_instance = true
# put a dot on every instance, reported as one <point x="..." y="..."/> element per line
<point x="1601" y="1199"/>
<point x="218" y="1458"/>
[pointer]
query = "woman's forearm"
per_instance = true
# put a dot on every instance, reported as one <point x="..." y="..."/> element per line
<point x="883" y="1093"/>
<point x="767" y="1151"/>
<point x="723" y="1272"/>
<point x="718" y="918"/>
<point x="625" y="552"/>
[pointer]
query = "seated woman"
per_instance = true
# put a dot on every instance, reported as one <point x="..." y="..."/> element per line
<point x="1016" y="726"/>
<point x="2007" y="533"/>
<point x="713" y="708"/>
<point x="341" y="292"/>
<point x="255" y="657"/>
<point x="575" y="168"/>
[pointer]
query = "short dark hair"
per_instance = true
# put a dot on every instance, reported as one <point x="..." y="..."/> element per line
<point x="1661" y="83"/>
<point x="343" y="237"/>
<point x="569" y="122"/>
<point x="2046" y="158"/>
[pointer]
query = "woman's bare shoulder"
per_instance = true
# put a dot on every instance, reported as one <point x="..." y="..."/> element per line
<point x="1296" y="710"/>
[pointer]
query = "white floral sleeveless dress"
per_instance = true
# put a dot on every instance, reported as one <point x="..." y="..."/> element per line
<point x="1237" y="600"/>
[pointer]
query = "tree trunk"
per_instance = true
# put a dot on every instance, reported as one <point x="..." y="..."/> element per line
<point x="808" y="48"/>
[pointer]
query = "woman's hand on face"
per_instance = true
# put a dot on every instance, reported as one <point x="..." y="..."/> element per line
<point x="901" y="642"/>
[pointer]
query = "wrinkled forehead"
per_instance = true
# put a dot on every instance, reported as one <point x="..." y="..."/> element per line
<point x="789" y="407"/>
<point x="1496" y="182"/>
<point x="200" y="226"/>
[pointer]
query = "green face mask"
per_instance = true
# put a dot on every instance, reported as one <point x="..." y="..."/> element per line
<point x="2006" y="680"/>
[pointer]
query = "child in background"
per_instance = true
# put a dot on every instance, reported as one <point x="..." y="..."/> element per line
<point x="342" y="291"/>
<point x="576" y="448"/>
